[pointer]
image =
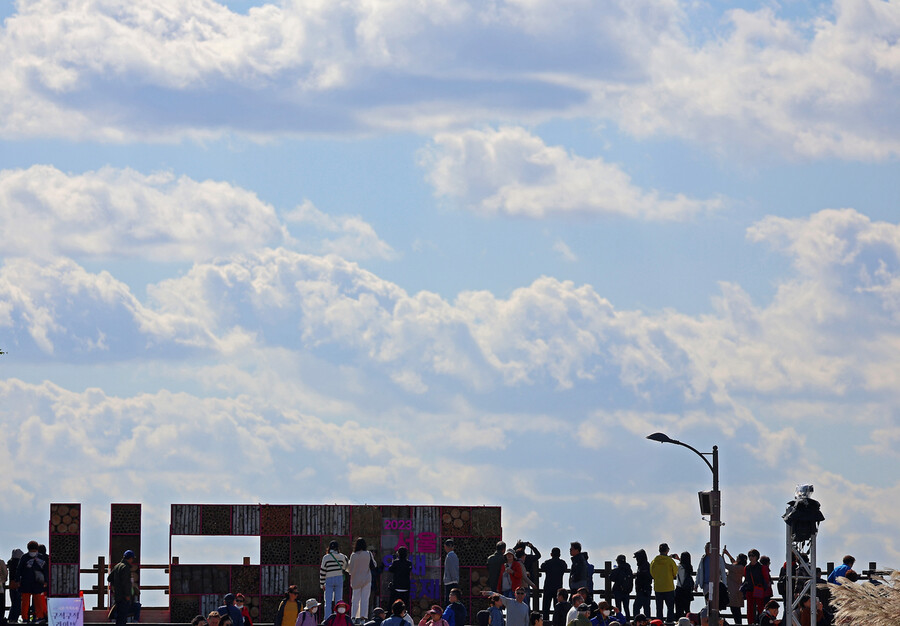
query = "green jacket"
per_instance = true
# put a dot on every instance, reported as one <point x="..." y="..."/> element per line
<point x="120" y="579"/>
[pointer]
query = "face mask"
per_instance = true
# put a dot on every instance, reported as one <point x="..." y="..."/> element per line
<point x="605" y="613"/>
<point x="314" y="609"/>
<point x="342" y="610"/>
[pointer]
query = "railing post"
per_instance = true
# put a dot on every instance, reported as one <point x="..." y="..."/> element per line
<point x="607" y="585"/>
<point x="101" y="582"/>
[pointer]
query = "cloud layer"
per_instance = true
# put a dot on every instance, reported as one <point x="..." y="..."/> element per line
<point x="107" y="70"/>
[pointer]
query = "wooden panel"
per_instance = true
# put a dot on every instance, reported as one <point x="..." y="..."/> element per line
<point x="185" y="519"/>
<point x="210" y="602"/>
<point x="273" y="579"/>
<point x="64" y="579"/>
<point x="426" y="519"/>
<point x="321" y="520"/>
<point x="245" y="519"/>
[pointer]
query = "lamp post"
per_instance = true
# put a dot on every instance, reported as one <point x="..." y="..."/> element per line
<point x="715" y="521"/>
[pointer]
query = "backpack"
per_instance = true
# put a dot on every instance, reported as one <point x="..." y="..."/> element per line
<point x="623" y="578"/>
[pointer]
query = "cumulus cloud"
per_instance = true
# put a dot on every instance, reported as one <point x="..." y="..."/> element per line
<point x="510" y="171"/>
<point x="107" y="70"/>
<point x="355" y="239"/>
<point x="807" y="338"/>
<point x="770" y="85"/>
<point x="114" y="71"/>
<point x="122" y="213"/>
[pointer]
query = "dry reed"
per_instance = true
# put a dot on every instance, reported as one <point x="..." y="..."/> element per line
<point x="872" y="604"/>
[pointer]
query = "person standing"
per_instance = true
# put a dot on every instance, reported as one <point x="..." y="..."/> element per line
<point x="511" y="575"/>
<point x="561" y="608"/>
<point x="451" y="569"/>
<point x="289" y="609"/>
<point x="643" y="583"/>
<point x="735" y="577"/>
<point x="622" y="579"/>
<point x="578" y="577"/>
<point x="684" y="588"/>
<point x="584" y="616"/>
<point x="553" y="569"/>
<point x="307" y="616"/>
<point x="400" y="570"/>
<point x="664" y="571"/>
<point x="331" y="575"/>
<point x="703" y="580"/>
<point x="340" y="616"/>
<point x="239" y="601"/>
<point x="456" y="614"/>
<point x="15" y="597"/>
<point x="4" y="577"/>
<point x="360" y="568"/>
<point x="495" y="610"/>
<point x="516" y="608"/>
<point x="231" y="610"/>
<point x="120" y="580"/>
<point x="756" y="582"/>
<point x="495" y="564"/>
<point x="531" y="563"/>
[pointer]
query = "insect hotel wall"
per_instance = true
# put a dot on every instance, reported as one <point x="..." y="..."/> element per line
<point x="65" y="547"/>
<point x="293" y="539"/>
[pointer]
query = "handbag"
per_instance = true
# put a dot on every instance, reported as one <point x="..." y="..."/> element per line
<point x="746" y="586"/>
<point x="758" y="592"/>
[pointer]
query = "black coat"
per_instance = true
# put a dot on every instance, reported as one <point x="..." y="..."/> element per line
<point x="554" y="568"/>
<point x="33" y="573"/>
<point x="560" y="610"/>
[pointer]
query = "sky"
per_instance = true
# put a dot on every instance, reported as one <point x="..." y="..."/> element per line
<point x="453" y="252"/>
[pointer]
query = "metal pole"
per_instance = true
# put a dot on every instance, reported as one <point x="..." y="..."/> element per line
<point x="715" y="524"/>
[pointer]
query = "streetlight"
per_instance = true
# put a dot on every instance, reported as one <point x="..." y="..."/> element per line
<point x="715" y="520"/>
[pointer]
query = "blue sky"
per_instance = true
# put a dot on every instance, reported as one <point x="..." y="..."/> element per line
<point x="472" y="252"/>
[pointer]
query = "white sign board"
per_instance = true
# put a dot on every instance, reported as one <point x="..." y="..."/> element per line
<point x="65" y="612"/>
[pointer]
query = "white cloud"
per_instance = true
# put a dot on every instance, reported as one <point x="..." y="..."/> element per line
<point x="771" y="86"/>
<point x="121" y="213"/>
<point x="101" y="70"/>
<point x="356" y="239"/>
<point x="510" y="171"/>
<point x="564" y="251"/>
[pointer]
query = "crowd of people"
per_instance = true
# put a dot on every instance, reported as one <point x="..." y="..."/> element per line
<point x="523" y="590"/>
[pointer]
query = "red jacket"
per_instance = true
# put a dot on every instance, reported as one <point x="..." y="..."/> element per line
<point x="515" y="575"/>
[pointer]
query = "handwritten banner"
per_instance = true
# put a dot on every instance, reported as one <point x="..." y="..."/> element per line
<point x="65" y="611"/>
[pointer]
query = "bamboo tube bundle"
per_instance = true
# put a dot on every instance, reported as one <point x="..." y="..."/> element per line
<point x="216" y="519"/>
<point x="125" y="519"/>
<point x="275" y="519"/>
<point x="184" y="608"/>
<point x="305" y="551"/>
<point x="274" y="550"/>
